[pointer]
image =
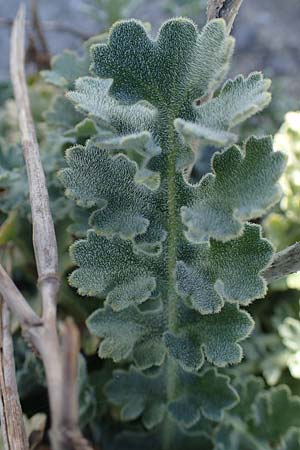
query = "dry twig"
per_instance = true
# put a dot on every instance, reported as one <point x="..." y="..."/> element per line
<point x="42" y="332"/>
<point x="38" y="50"/>
<point x="44" y="240"/>
<point x="38" y="27"/>
<point x="71" y="436"/>
<point x="226" y="9"/>
<point x="12" y="424"/>
<point x="284" y="263"/>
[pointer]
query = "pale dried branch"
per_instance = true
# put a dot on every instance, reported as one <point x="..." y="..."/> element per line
<point x="17" y="303"/>
<point x="44" y="240"/>
<point x="225" y="9"/>
<point x="70" y="349"/>
<point x="284" y="263"/>
<point x="38" y="27"/>
<point x="71" y="438"/>
<point x="38" y="50"/>
<point x="44" y="337"/>
<point x="12" y="424"/>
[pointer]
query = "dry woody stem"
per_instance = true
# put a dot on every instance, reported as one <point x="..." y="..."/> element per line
<point x="225" y="9"/>
<point x="284" y="263"/>
<point x="42" y="332"/>
<point x="12" y="424"/>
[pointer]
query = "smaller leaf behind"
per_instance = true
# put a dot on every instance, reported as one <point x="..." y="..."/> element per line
<point x="275" y="412"/>
<point x="92" y="96"/>
<point x="208" y="394"/>
<point x="65" y="68"/>
<point x="214" y="336"/>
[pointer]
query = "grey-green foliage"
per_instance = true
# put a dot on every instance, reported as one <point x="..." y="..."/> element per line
<point x="14" y="185"/>
<point x="289" y="331"/>
<point x="174" y="262"/>
<point x="65" y="68"/>
<point x="263" y="420"/>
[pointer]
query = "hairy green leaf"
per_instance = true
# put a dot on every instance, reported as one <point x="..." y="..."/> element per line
<point x="238" y="100"/>
<point x="207" y="394"/>
<point x="65" y="68"/>
<point x="243" y="185"/>
<point x="130" y="333"/>
<point x="164" y="70"/>
<point x="92" y="96"/>
<point x="110" y="267"/>
<point x="216" y="336"/>
<point x="219" y="272"/>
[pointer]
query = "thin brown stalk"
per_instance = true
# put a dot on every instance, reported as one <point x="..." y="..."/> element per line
<point x="44" y="239"/>
<point x="12" y="424"/>
<point x="41" y="332"/>
<point x="38" y="27"/>
<point x="226" y="9"/>
<point x="24" y="313"/>
<point x="71" y="437"/>
<point x="284" y="263"/>
<point x="38" y="50"/>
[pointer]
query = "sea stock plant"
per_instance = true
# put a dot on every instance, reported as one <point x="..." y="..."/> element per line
<point x="171" y="257"/>
<point x="176" y="263"/>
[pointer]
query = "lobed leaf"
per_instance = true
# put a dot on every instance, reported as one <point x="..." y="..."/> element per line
<point x="208" y="394"/>
<point x="108" y="267"/>
<point x="269" y="422"/>
<point x="139" y="395"/>
<point x="220" y="272"/>
<point x="172" y="300"/>
<point x="238" y="100"/>
<point x="214" y="336"/>
<point x="242" y="187"/>
<point x="95" y="178"/>
<point x="168" y="69"/>
<point x="258" y="420"/>
<point x="92" y="96"/>
<point x="130" y="333"/>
